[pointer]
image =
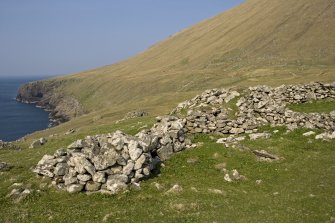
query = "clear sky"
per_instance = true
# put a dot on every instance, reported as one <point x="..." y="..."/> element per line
<point x="54" y="37"/>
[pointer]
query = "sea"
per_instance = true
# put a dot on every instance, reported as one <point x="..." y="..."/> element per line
<point x="18" y="119"/>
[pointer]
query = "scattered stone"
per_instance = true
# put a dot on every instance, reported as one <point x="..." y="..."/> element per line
<point x="70" y="131"/>
<point x="38" y="143"/>
<point x="264" y="155"/>
<point x="19" y="194"/>
<point x="17" y="185"/>
<point x="256" y="136"/>
<point x="227" y="178"/>
<point x="310" y="133"/>
<point x="158" y="186"/>
<point x="327" y="136"/>
<point x="216" y="191"/>
<point x="8" y="145"/>
<point x="259" y="182"/>
<point x="235" y="175"/>
<point x="136" y="114"/>
<point x="4" y="167"/>
<point x="175" y="189"/>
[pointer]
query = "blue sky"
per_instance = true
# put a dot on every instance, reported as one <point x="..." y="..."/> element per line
<point x="55" y="37"/>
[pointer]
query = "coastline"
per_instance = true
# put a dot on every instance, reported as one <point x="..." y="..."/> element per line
<point x="53" y="121"/>
<point x="44" y="94"/>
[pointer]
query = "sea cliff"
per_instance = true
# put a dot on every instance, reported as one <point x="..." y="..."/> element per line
<point x="46" y="94"/>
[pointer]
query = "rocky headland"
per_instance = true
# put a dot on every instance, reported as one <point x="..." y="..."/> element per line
<point x="45" y="94"/>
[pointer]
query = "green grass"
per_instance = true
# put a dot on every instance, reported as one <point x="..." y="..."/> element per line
<point x="297" y="188"/>
<point x="325" y="106"/>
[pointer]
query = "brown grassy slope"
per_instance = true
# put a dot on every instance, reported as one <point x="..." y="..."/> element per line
<point x="260" y="41"/>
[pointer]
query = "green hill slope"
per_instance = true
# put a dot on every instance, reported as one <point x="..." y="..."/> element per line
<point x="261" y="41"/>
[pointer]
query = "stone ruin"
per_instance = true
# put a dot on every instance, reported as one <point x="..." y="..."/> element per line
<point x="261" y="105"/>
<point x="110" y="163"/>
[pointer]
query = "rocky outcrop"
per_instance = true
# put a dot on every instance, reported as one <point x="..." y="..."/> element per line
<point x="45" y="94"/>
<point x="110" y="163"/>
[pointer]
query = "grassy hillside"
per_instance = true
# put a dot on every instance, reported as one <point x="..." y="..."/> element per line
<point x="297" y="188"/>
<point x="260" y="41"/>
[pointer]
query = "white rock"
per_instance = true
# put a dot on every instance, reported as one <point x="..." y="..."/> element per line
<point x="256" y="136"/>
<point x="134" y="151"/>
<point x="309" y="133"/>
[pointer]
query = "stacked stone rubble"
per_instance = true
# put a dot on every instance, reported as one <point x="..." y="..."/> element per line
<point x="109" y="163"/>
<point x="257" y="106"/>
<point x="269" y="105"/>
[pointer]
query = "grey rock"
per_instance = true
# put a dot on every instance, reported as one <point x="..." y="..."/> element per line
<point x="74" y="188"/>
<point x="103" y="161"/>
<point x="128" y="168"/>
<point x="44" y="172"/>
<point x="92" y="186"/>
<point x="309" y="133"/>
<point x="37" y="143"/>
<point x="84" y="177"/>
<point x="61" y="169"/>
<point x="255" y="136"/>
<point x="79" y="144"/>
<point x="165" y="152"/>
<point x="140" y="161"/>
<point x="236" y="130"/>
<point x="82" y="165"/>
<point x="134" y="151"/>
<point x="117" y="183"/>
<point x="265" y="154"/>
<point x="99" y="177"/>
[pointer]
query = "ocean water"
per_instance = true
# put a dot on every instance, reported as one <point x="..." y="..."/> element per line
<point x="18" y="119"/>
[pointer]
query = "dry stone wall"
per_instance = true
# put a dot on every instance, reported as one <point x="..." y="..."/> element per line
<point x="257" y="106"/>
<point x="110" y="163"/>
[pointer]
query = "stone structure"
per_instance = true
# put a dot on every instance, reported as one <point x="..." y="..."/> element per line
<point x="257" y="106"/>
<point x="109" y="163"/>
